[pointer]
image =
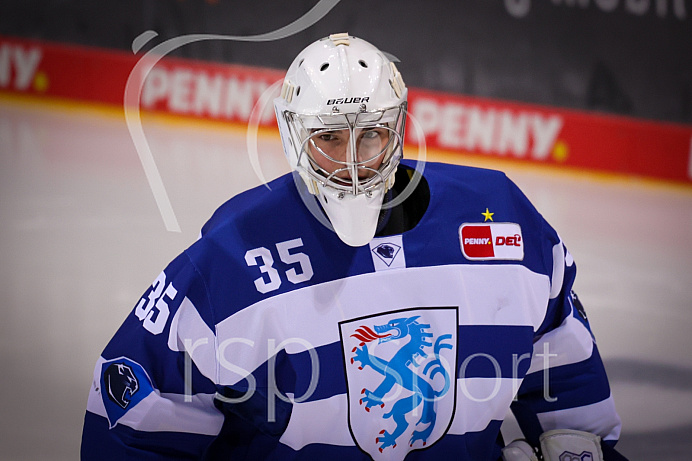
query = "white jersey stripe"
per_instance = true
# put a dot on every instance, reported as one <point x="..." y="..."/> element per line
<point x="486" y="295"/>
<point x="319" y="421"/>
<point x="171" y="412"/>
<point x="570" y="343"/>
<point x="558" y="270"/>
<point x="189" y="332"/>
<point x="481" y="400"/>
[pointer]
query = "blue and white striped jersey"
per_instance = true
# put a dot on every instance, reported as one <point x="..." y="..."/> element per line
<point x="269" y="338"/>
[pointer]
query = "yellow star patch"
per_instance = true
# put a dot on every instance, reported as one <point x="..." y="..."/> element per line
<point x="488" y="215"/>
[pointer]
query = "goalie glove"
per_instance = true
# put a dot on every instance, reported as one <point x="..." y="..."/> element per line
<point x="570" y="445"/>
<point x="557" y="445"/>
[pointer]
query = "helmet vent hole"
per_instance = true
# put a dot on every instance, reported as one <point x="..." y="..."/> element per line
<point x="324" y="66"/>
<point x="297" y="91"/>
<point x="363" y="63"/>
<point x="301" y="62"/>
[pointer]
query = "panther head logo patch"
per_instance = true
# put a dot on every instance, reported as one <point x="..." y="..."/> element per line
<point x="124" y="383"/>
<point x="120" y="383"/>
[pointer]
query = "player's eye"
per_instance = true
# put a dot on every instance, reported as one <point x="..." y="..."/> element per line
<point x="370" y="134"/>
<point x="329" y="136"/>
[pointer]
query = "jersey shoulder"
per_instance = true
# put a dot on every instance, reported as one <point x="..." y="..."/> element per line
<point x="470" y="205"/>
<point x="456" y="188"/>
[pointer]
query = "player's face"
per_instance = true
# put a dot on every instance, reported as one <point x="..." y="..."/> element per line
<point x="332" y="151"/>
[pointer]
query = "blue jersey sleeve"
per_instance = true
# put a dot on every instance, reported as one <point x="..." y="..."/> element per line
<point x="566" y="386"/>
<point x="152" y="395"/>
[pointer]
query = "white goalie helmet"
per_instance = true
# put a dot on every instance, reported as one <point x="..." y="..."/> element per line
<point x="341" y="116"/>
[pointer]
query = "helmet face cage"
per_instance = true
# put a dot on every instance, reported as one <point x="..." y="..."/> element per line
<point x="351" y="152"/>
<point x="341" y="116"/>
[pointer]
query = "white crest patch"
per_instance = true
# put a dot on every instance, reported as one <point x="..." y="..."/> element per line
<point x="387" y="252"/>
<point x="401" y="373"/>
